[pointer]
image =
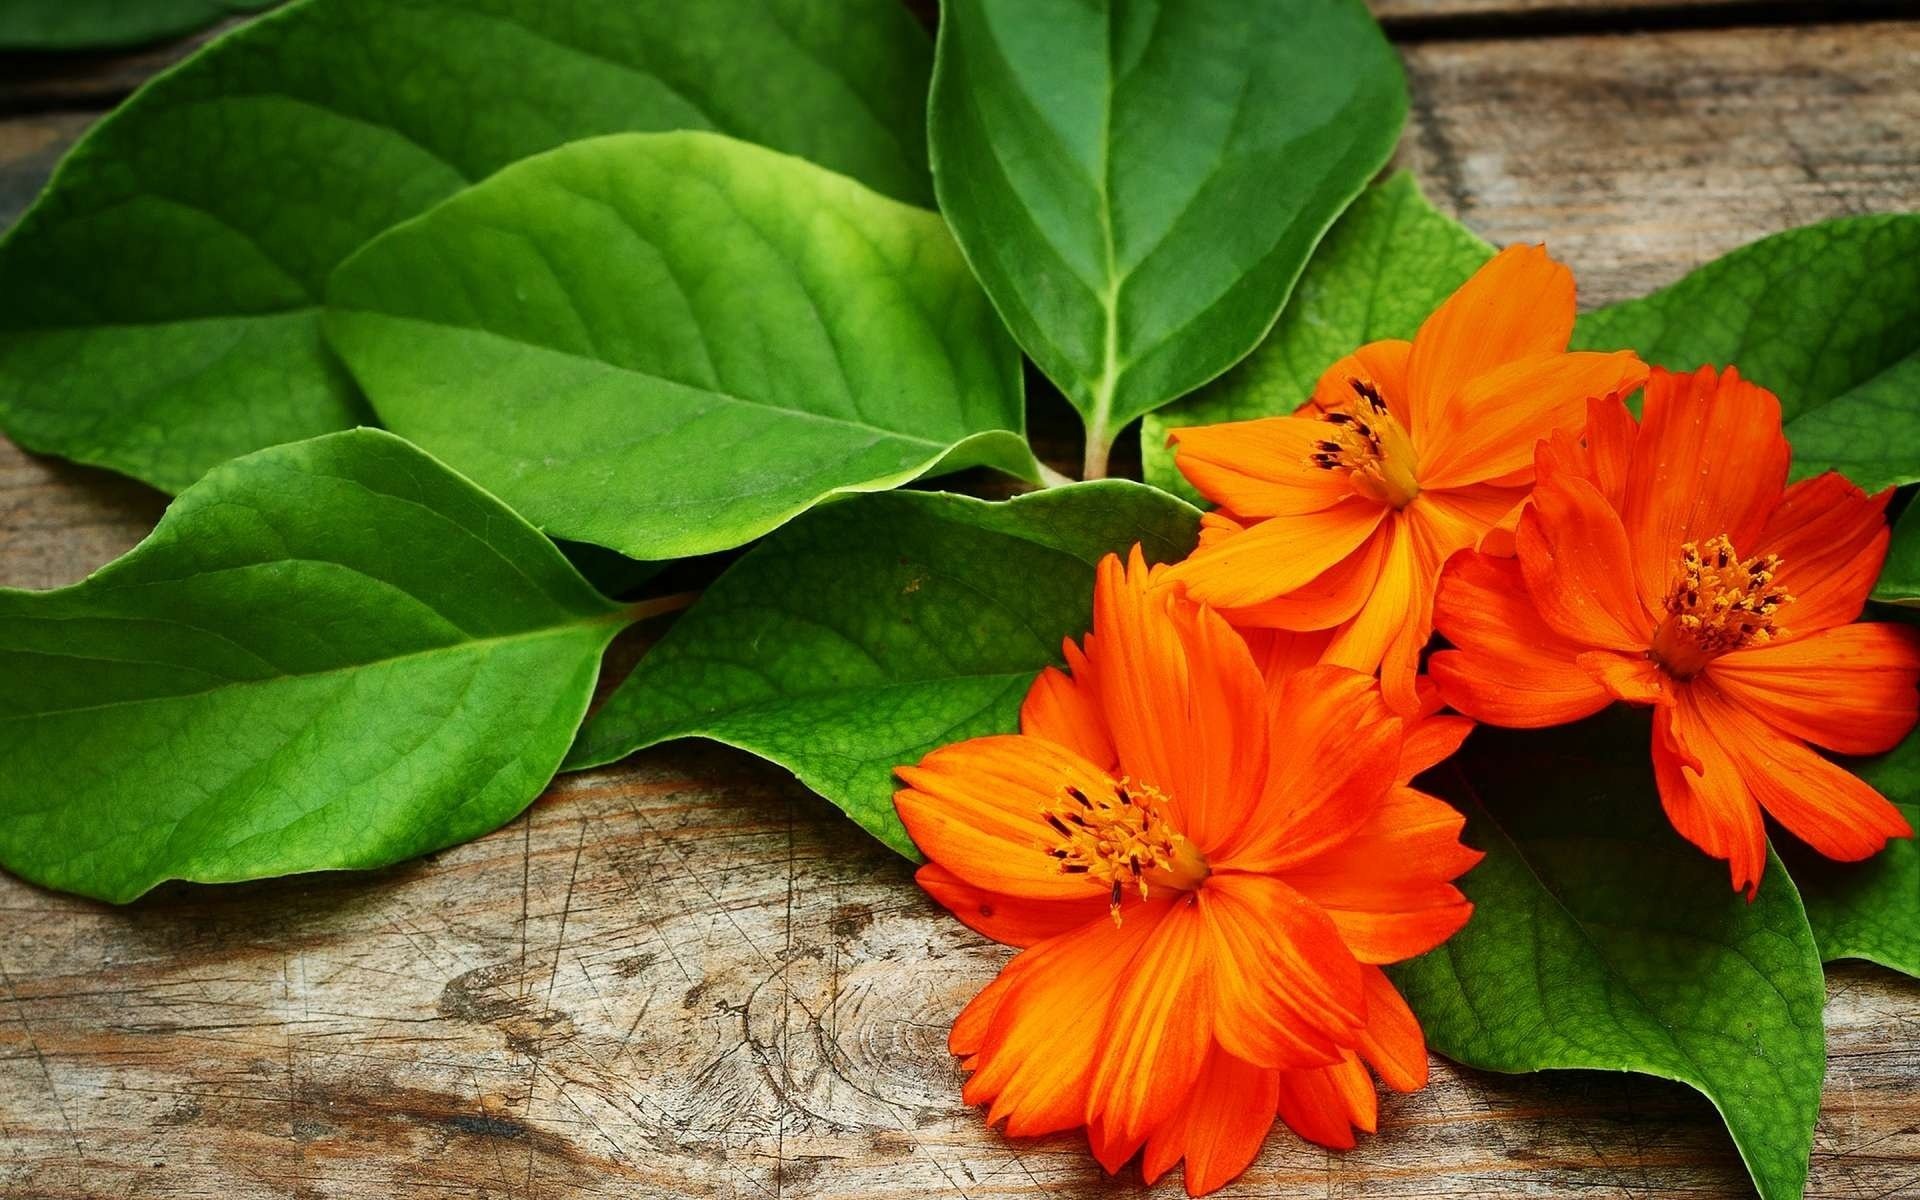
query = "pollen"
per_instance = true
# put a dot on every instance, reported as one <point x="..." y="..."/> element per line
<point x="1368" y="443"/>
<point x="1122" y="841"/>
<point x="1718" y="602"/>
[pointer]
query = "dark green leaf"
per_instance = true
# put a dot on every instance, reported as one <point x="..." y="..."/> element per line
<point x="107" y="24"/>
<point x="330" y="654"/>
<point x="1600" y="939"/>
<point x="1388" y="262"/>
<point x="1899" y="581"/>
<point x="159" y="306"/>
<point x="1871" y="909"/>
<point x="1138" y="183"/>
<point x="873" y="630"/>
<point x="670" y="344"/>
<point x="1826" y="316"/>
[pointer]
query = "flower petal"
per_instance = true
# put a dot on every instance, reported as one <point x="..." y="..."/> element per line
<point x="1325" y="1105"/>
<point x="1710" y="460"/>
<point x="1429" y="741"/>
<point x="1218" y="1131"/>
<point x="1850" y="689"/>
<point x="1634" y="678"/>
<point x="1277" y="555"/>
<point x="1382" y="364"/>
<point x="1393" y="1044"/>
<point x="1499" y="417"/>
<point x="975" y="808"/>
<point x="1322" y="603"/>
<point x="1158" y="1030"/>
<point x="1064" y="707"/>
<point x="1509" y="668"/>
<point x="1704" y="792"/>
<point x="1287" y="991"/>
<point x="1819" y="802"/>
<point x="1260" y="468"/>
<point x="1392" y="615"/>
<point x="1388" y="889"/>
<point x="1013" y="920"/>
<point x="1832" y="539"/>
<point x="1519" y="305"/>
<point x="1579" y="570"/>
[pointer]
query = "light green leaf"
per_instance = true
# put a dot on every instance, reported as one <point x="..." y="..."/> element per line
<point x="1826" y="316"/>
<point x="1869" y="909"/>
<point x="670" y="344"/>
<point x="1138" y="182"/>
<point x="875" y="629"/>
<point x="330" y="654"/>
<point x="1600" y="939"/>
<point x="1899" y="581"/>
<point x="107" y="24"/>
<point x="1388" y="262"/>
<point x="159" y="305"/>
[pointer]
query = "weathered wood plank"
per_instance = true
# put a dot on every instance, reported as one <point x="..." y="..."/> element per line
<point x="685" y="975"/>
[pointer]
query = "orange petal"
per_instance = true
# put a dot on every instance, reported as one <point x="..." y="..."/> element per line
<point x="1500" y="416"/>
<point x="1579" y="571"/>
<point x="1336" y="752"/>
<point x="1158" y="1030"/>
<point x="1325" y="1105"/>
<point x="1260" y="468"/>
<point x="1519" y="305"/>
<point x="1710" y="460"/>
<point x="1287" y="991"/>
<point x="1704" y="792"/>
<point x="1110" y="1149"/>
<point x="1510" y="667"/>
<point x="1850" y="689"/>
<point x="1388" y="888"/>
<point x="1819" y="802"/>
<point x="1393" y="1044"/>
<point x="1034" y="1064"/>
<point x="1279" y="653"/>
<point x="1219" y="1129"/>
<point x="1382" y="364"/>
<point x="1322" y="603"/>
<point x="1182" y="699"/>
<point x="1064" y="707"/>
<point x="1429" y="742"/>
<point x="975" y="808"/>
<point x="1391" y="613"/>
<point x="1014" y="920"/>
<point x="1631" y="677"/>
<point x="1831" y="538"/>
<point x="1277" y="555"/>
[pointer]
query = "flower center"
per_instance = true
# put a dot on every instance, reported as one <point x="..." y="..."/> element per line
<point x="1720" y="602"/>
<point x="1123" y="840"/>
<point x="1368" y="444"/>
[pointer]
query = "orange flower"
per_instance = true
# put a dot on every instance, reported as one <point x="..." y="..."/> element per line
<point x="1667" y="563"/>
<point x="1203" y="877"/>
<point x="1340" y="516"/>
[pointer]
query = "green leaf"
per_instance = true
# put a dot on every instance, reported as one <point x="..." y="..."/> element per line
<point x="159" y="305"/>
<point x="1388" y="262"/>
<point x="1826" y="316"/>
<point x="330" y="654"/>
<point x="109" y="24"/>
<point x="1899" y="581"/>
<point x="873" y="630"/>
<point x="670" y="344"/>
<point x="1601" y="940"/>
<point x="1869" y="909"/>
<point x="1138" y="183"/>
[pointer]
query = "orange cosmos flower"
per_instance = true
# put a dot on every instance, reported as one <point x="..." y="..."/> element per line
<point x="1667" y="563"/>
<point x="1340" y="516"/>
<point x="1203" y="876"/>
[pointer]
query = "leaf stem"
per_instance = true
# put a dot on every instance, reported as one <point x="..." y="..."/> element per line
<point x="1050" y="478"/>
<point x="1095" y="464"/>
<point x="657" y="606"/>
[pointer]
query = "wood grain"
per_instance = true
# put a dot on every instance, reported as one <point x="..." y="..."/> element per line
<point x="684" y="975"/>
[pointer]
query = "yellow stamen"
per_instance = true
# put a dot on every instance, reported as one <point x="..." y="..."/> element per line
<point x="1719" y="602"/>
<point x="1122" y="840"/>
<point x="1369" y="444"/>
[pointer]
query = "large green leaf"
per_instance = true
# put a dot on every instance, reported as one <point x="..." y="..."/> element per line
<point x="1827" y="316"/>
<point x="1600" y="939"/>
<point x="1899" y="581"/>
<point x="672" y="343"/>
<point x="103" y="24"/>
<point x="330" y="654"/>
<point x="1388" y="262"/>
<point x="873" y="630"/>
<point x="1138" y="182"/>
<point x="1871" y="909"/>
<point x="159" y="304"/>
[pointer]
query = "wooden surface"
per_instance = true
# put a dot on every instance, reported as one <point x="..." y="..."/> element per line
<point x="686" y="975"/>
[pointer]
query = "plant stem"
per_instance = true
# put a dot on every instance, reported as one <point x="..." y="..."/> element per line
<point x="1050" y="478"/>
<point x="1095" y="466"/>
<point x="657" y="606"/>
